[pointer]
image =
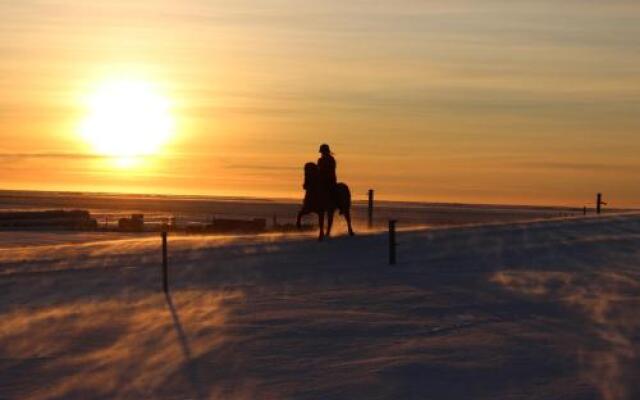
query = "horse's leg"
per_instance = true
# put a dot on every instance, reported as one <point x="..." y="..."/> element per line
<point x="347" y="216"/>
<point x="321" y="224"/>
<point x="299" y="219"/>
<point x="329" y="221"/>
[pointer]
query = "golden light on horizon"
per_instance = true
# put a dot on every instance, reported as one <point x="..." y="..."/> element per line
<point x="422" y="101"/>
<point x="127" y="119"/>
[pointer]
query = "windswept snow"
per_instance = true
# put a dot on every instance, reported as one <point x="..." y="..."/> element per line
<point x="539" y="310"/>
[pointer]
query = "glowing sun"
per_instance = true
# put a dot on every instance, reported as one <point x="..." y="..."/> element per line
<point x="127" y="119"/>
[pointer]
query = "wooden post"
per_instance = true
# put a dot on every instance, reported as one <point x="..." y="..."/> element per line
<point x="584" y="210"/>
<point x="165" y="277"/>
<point x="392" y="242"/>
<point x="370" y="214"/>
<point x="599" y="203"/>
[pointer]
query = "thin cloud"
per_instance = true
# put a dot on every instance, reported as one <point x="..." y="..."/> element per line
<point x="68" y="156"/>
<point x="261" y="167"/>
<point x="582" y="166"/>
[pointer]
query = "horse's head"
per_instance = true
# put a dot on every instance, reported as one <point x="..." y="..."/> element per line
<point x="310" y="174"/>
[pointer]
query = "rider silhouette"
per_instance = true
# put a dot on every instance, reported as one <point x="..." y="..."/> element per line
<point x="327" y="166"/>
<point x="323" y="195"/>
<point x="327" y="173"/>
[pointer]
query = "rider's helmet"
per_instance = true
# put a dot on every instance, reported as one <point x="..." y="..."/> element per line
<point x="324" y="149"/>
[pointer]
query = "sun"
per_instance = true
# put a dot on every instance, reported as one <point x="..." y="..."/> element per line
<point x="127" y="119"/>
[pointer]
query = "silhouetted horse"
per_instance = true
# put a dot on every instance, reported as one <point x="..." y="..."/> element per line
<point x="319" y="202"/>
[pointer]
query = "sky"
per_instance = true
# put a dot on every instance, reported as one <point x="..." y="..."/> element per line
<point x="481" y="101"/>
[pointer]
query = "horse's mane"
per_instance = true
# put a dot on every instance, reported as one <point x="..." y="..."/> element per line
<point x="310" y="175"/>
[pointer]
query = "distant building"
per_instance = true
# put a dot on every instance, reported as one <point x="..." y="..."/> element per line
<point x="50" y="219"/>
<point x="133" y="224"/>
<point x="229" y="225"/>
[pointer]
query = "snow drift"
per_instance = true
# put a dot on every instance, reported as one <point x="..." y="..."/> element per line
<point x="534" y="310"/>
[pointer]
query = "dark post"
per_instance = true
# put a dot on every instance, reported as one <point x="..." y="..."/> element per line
<point x="584" y="210"/>
<point x="370" y="208"/>
<point x="392" y="242"/>
<point x="165" y="278"/>
<point x="599" y="203"/>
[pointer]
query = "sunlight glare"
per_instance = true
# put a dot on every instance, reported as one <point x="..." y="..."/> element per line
<point x="127" y="119"/>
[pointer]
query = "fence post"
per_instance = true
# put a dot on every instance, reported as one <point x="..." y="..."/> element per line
<point x="584" y="210"/>
<point x="599" y="203"/>
<point x="392" y="242"/>
<point x="165" y="277"/>
<point x="370" y="215"/>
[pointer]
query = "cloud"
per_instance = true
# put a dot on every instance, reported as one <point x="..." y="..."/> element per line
<point x="53" y="155"/>
<point x="582" y="166"/>
<point x="258" y="167"/>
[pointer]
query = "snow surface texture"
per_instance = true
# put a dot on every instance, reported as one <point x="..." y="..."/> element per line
<point x="538" y="310"/>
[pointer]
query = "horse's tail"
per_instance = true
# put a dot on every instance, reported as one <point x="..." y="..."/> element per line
<point x="343" y="197"/>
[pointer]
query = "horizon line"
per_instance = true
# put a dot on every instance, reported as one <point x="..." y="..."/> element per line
<point x="291" y="199"/>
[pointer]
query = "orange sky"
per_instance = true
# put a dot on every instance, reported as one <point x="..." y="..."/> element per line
<point x="462" y="101"/>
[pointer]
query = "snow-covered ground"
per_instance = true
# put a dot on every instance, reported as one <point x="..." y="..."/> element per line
<point x="537" y="310"/>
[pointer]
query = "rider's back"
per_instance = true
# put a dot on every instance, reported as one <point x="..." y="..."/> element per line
<point x="327" y="170"/>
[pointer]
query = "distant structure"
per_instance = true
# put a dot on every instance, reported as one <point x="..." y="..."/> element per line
<point x="229" y="225"/>
<point x="276" y="226"/>
<point x="50" y="219"/>
<point x="239" y="225"/>
<point x="133" y="224"/>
